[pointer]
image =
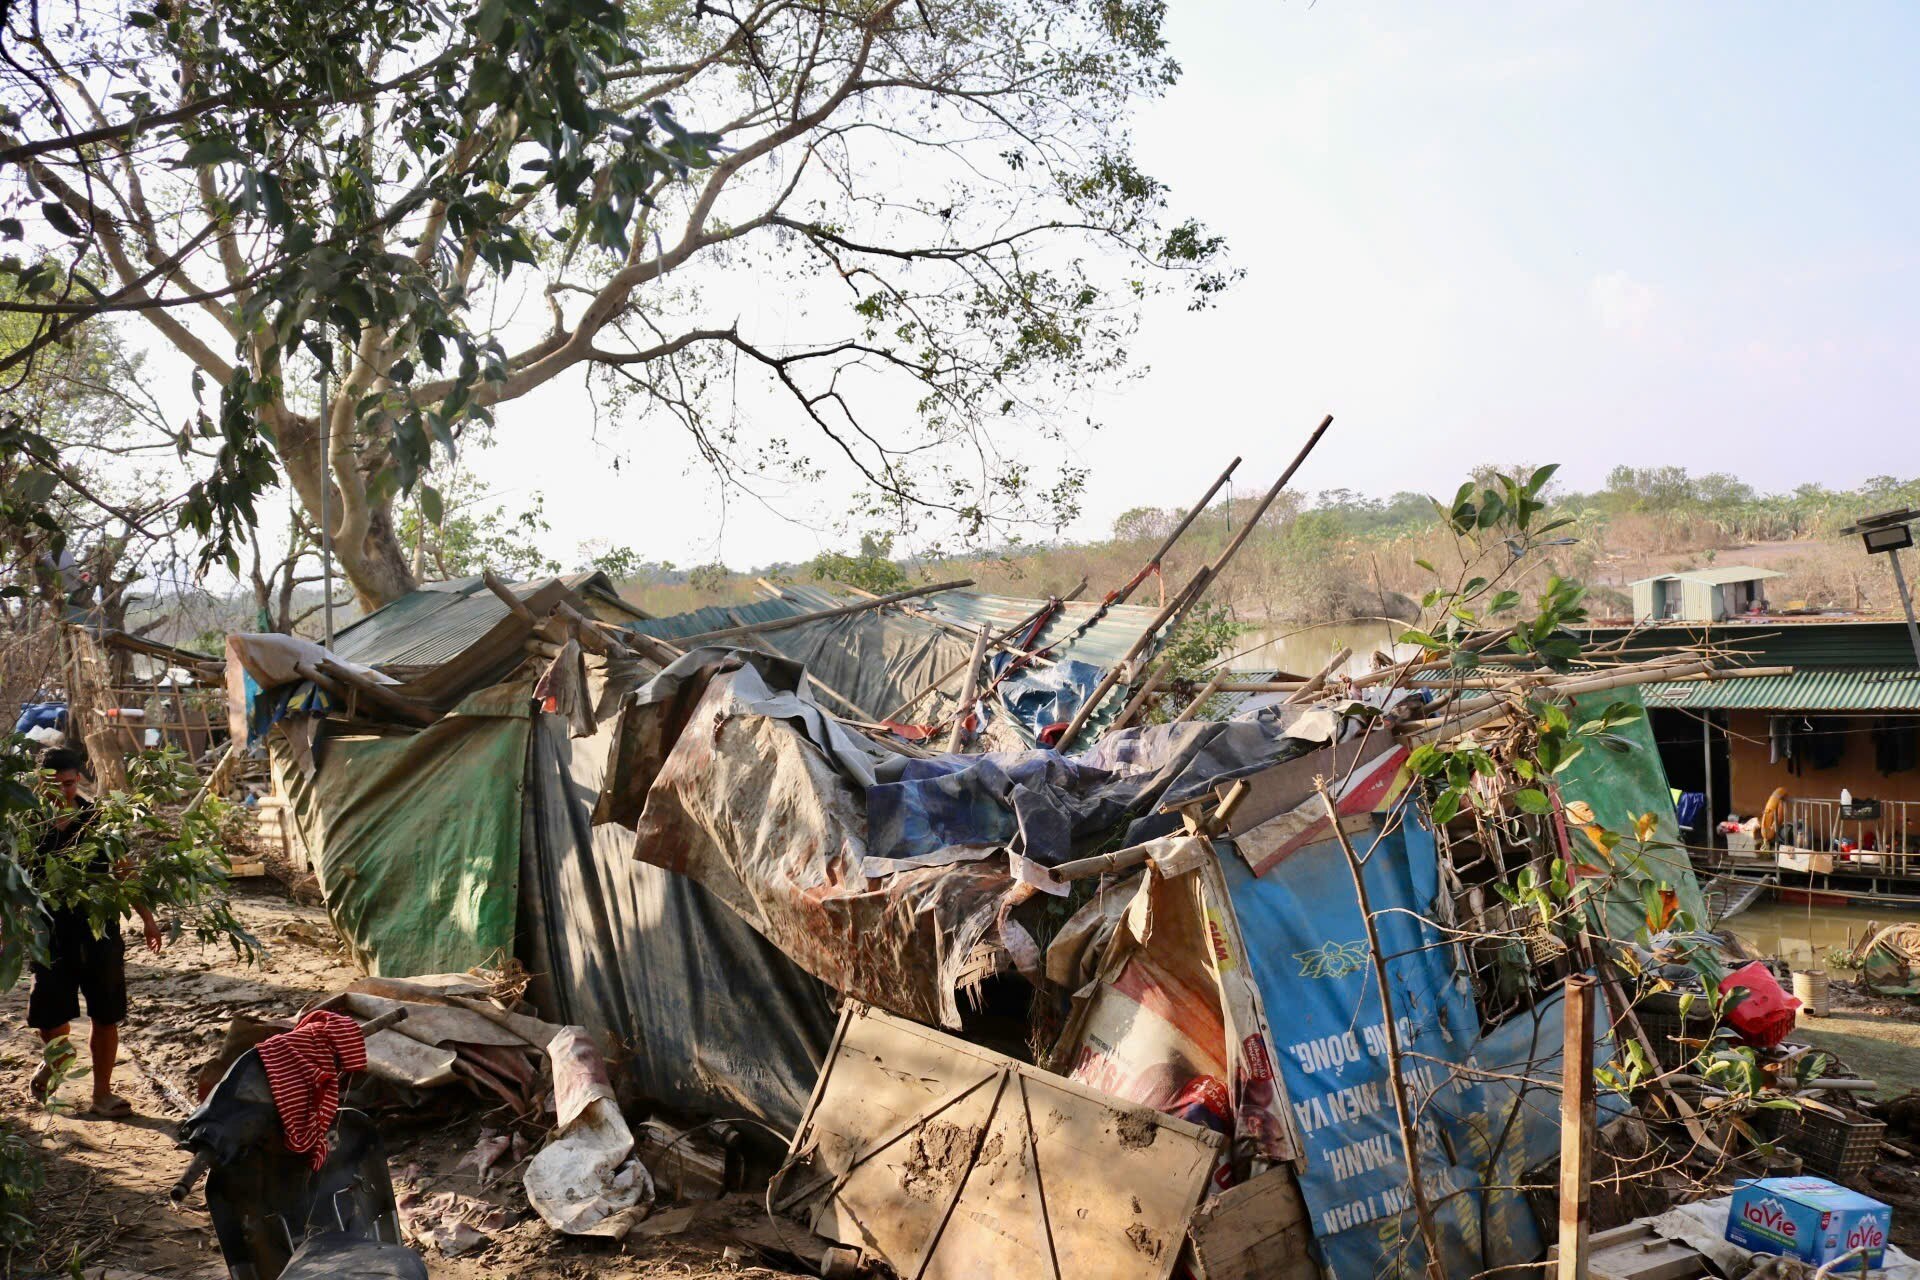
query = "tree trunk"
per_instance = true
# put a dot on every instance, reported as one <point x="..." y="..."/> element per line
<point x="376" y="565"/>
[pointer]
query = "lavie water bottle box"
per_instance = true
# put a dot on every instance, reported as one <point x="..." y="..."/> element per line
<point x="1808" y="1218"/>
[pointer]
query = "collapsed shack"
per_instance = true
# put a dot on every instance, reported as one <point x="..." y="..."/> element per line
<point x="701" y="863"/>
<point x="113" y="693"/>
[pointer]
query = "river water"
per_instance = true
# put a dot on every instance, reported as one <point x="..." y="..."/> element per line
<point x="1304" y="649"/>
<point x="1802" y="935"/>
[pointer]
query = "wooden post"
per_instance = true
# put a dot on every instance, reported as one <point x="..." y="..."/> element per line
<point x="1120" y="597"/>
<point x="1319" y="681"/>
<point x="972" y="688"/>
<point x="1576" y="1126"/>
<point x="1706" y="781"/>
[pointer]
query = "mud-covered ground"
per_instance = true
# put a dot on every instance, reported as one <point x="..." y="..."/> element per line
<point x="105" y="1202"/>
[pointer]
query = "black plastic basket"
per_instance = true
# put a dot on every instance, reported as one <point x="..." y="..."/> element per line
<point x="1775" y="1126"/>
<point x="1837" y="1147"/>
<point x="1660" y="1017"/>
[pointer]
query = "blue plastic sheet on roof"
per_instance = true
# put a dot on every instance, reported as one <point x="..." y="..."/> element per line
<point x="1041" y="797"/>
<point x="1041" y="802"/>
<point x="1037" y="697"/>
<point x="1307" y="947"/>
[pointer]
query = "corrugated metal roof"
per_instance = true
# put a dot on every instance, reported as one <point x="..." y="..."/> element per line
<point x="1876" y="689"/>
<point x="1716" y="576"/>
<point x="1778" y="642"/>
<point x="1104" y="644"/>
<point x="440" y="621"/>
<point x="716" y="617"/>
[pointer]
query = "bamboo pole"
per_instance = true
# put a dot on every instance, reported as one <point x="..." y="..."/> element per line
<point x="798" y="620"/>
<point x="964" y="632"/>
<point x="1320" y="678"/>
<point x="1191" y="593"/>
<point x="1576" y="1127"/>
<point x="380" y="695"/>
<point x="1212" y="687"/>
<point x="1126" y="859"/>
<point x="1473" y="708"/>
<point x="1121" y="596"/>
<point x="959" y="668"/>
<point x="1148" y="688"/>
<point x="1409" y="1138"/>
<point x="515" y="605"/>
<point x="972" y="689"/>
<point x="1260" y="686"/>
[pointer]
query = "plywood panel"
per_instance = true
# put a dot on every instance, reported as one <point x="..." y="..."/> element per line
<point x="1255" y="1231"/>
<point x="948" y="1161"/>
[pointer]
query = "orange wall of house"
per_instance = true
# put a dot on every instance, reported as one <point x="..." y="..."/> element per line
<point x="1752" y="779"/>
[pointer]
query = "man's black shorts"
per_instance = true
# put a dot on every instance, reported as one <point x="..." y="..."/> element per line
<point x="81" y="965"/>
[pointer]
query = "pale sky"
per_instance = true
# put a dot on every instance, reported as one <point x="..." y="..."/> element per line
<point x="1586" y="233"/>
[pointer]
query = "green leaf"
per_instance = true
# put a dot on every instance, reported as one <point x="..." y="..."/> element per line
<point x="60" y="220"/>
<point x="1532" y="800"/>
<point x="1446" y="806"/>
<point x="216" y="148"/>
<point x="1539" y="478"/>
<point x="431" y="505"/>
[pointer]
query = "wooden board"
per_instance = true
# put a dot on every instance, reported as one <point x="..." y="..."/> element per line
<point x="947" y="1160"/>
<point x="1255" y="1231"/>
<point x="1637" y="1252"/>
<point x="1288" y="785"/>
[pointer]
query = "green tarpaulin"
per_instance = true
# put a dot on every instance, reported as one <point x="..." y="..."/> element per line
<point x="1620" y="786"/>
<point x="418" y="851"/>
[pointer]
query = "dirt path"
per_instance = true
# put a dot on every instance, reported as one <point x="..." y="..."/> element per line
<point x="106" y="1196"/>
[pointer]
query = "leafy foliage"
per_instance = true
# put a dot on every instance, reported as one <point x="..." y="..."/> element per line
<point x="21" y="1178"/>
<point x="870" y="569"/>
<point x="1193" y="649"/>
<point x="456" y="535"/>
<point x="142" y="848"/>
<point x="352" y="187"/>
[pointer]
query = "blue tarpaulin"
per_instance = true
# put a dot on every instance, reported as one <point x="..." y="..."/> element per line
<point x="1041" y="802"/>
<point x="1039" y="697"/>
<point x="1307" y="946"/>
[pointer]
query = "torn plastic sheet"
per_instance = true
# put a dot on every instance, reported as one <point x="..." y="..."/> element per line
<point x="1173" y="1019"/>
<point x="586" y="1181"/>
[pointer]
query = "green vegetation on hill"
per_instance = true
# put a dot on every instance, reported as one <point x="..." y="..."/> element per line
<point x="1344" y="554"/>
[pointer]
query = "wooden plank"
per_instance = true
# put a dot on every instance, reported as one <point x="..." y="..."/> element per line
<point x="1576" y="1128"/>
<point x="1289" y="784"/>
<point x="1255" y="1231"/>
<point x="948" y="1160"/>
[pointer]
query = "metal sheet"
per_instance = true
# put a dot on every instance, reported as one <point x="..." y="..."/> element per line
<point x="1879" y="689"/>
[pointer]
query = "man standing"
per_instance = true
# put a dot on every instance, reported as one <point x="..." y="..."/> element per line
<point x="78" y="963"/>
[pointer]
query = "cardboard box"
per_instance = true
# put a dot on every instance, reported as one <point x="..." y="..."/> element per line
<point x="1808" y="1218"/>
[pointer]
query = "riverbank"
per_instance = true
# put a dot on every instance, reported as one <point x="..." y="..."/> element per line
<point x="1877" y="1037"/>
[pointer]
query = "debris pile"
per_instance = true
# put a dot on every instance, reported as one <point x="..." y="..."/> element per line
<point x="1022" y="981"/>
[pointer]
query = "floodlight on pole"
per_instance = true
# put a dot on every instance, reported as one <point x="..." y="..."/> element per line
<point x="1888" y="534"/>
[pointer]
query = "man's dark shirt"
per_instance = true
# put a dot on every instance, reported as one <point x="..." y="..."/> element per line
<point x="69" y="924"/>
